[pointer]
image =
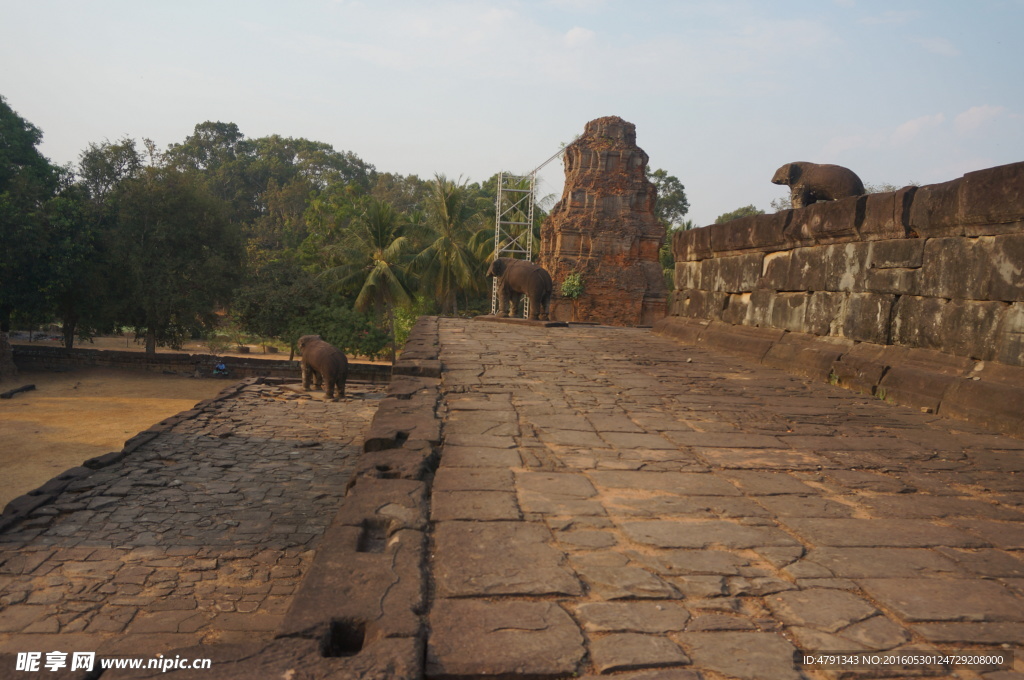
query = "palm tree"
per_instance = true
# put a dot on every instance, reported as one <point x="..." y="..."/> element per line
<point x="370" y="257"/>
<point x="448" y="266"/>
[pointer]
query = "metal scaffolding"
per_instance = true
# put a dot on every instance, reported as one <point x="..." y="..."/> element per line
<point x="513" y="221"/>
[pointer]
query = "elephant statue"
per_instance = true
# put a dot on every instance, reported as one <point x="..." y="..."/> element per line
<point x="325" y="364"/>
<point x="810" y="182"/>
<point x="517" y="278"/>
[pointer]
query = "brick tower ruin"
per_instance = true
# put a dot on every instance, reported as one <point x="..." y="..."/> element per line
<point x="604" y="228"/>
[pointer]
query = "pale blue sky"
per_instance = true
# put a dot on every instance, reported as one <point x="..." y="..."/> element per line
<point x="722" y="92"/>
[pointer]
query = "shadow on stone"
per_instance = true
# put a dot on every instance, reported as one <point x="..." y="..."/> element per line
<point x="345" y="637"/>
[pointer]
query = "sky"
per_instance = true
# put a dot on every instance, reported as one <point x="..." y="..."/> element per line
<point x="722" y="92"/>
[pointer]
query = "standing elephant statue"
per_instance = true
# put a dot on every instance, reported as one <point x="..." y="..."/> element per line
<point x="323" y="363"/>
<point x="810" y="182"/>
<point x="517" y="278"/>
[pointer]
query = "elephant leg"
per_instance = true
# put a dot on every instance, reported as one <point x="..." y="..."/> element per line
<point x="544" y="308"/>
<point x="305" y="376"/>
<point x="329" y="388"/>
<point x="318" y="380"/>
<point x="513" y="307"/>
<point x="534" y="307"/>
<point x="502" y="303"/>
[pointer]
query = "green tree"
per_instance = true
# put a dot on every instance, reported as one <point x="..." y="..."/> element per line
<point x="348" y="330"/>
<point x="672" y="204"/>
<point x="406" y="193"/>
<point x="83" y="282"/>
<point x="274" y="295"/>
<point x="447" y="266"/>
<point x="102" y="167"/>
<point x="745" y="211"/>
<point x="211" y="145"/>
<point x="226" y="160"/>
<point x="27" y="181"/>
<point x="285" y="158"/>
<point x="178" y="252"/>
<point x="77" y="283"/>
<point x="370" y="259"/>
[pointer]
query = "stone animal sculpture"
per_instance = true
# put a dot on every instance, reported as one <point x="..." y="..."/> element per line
<point x="517" y="278"/>
<point x="323" y="363"/>
<point x="810" y="182"/>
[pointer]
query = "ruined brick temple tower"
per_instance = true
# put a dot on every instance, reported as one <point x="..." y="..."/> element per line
<point x="604" y="228"/>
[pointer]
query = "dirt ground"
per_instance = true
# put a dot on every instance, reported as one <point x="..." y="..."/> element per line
<point x="77" y="415"/>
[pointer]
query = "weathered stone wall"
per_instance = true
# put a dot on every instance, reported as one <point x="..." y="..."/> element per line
<point x="936" y="271"/>
<point x="605" y="229"/>
<point x="937" y="267"/>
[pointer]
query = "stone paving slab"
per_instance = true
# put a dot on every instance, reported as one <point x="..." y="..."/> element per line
<point x="475" y="638"/>
<point x="200" y="535"/>
<point x="685" y="515"/>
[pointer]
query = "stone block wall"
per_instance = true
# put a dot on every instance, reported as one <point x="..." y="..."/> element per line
<point x="936" y="267"/>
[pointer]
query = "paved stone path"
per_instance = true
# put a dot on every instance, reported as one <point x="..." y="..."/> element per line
<point x="199" y="536"/>
<point x="611" y="502"/>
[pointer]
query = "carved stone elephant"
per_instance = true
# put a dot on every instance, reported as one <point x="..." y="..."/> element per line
<point x="810" y="182"/>
<point x="517" y="278"/>
<point x="323" y="363"/>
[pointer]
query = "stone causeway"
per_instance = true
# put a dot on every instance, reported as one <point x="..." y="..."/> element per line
<point x="535" y="502"/>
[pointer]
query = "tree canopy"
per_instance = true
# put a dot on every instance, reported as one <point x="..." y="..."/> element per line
<point x="27" y="182"/>
<point x="267" y="238"/>
<point x="672" y="204"/>
<point x="745" y="211"/>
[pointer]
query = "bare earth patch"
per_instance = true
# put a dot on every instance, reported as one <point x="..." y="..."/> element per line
<point x="71" y="417"/>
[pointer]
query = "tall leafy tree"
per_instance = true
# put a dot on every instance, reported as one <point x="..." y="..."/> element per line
<point x="27" y="181"/>
<point x="672" y="204"/>
<point x="447" y="266"/>
<point x="370" y="259"/>
<point x="406" y="193"/>
<point x="82" y="279"/>
<point x="102" y="167"/>
<point x="274" y="294"/>
<point x="227" y="161"/>
<point x="179" y="253"/>
<point x="78" y="281"/>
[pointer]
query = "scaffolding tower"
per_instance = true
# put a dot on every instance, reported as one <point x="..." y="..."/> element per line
<point x="513" y="224"/>
<point x="513" y="221"/>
